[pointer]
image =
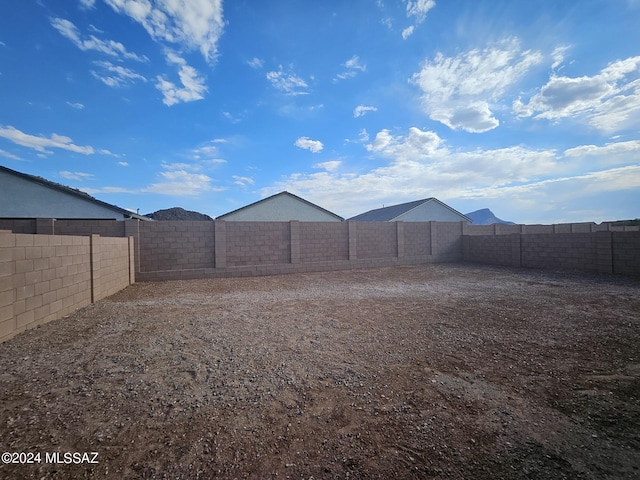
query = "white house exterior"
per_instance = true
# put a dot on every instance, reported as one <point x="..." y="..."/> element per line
<point x="427" y="210"/>
<point x="27" y="196"/>
<point x="282" y="207"/>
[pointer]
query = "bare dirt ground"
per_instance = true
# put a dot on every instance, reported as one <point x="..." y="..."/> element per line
<point x="439" y="371"/>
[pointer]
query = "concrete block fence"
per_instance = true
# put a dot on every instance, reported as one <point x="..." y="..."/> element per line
<point x="186" y="250"/>
<point x="45" y="277"/>
<point x="595" y="251"/>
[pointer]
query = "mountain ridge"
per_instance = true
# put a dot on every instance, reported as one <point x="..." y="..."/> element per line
<point x="484" y="216"/>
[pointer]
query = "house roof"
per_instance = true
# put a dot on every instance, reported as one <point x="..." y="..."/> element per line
<point x="71" y="191"/>
<point x="388" y="214"/>
<point x="295" y="197"/>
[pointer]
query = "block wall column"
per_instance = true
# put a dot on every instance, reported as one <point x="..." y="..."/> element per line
<point x="45" y="226"/>
<point x="94" y="260"/>
<point x="9" y="308"/>
<point x="353" y="241"/>
<point x="220" y="244"/>
<point x="294" y="240"/>
<point x="132" y="263"/>
<point x="400" y="239"/>
<point x="132" y="229"/>
<point x="604" y="252"/>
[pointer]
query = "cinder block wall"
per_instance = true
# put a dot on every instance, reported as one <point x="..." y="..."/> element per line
<point x="324" y="241"/>
<point x="44" y="277"/>
<point x="560" y="251"/>
<point x="176" y="245"/>
<point x="625" y="252"/>
<point x="376" y="240"/>
<point x="104" y="228"/>
<point x="266" y="248"/>
<point x="488" y="249"/>
<point x="417" y="239"/>
<point x="18" y="225"/>
<point x="448" y="240"/>
<point x="257" y="243"/>
<point x="111" y="265"/>
<point x="596" y="250"/>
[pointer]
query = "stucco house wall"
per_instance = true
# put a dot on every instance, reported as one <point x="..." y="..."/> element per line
<point x="21" y="196"/>
<point x="283" y="207"/>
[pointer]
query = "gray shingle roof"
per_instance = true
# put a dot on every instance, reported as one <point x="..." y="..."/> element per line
<point x="387" y="214"/>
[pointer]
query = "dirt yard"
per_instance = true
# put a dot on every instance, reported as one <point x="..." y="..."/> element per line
<point x="440" y="371"/>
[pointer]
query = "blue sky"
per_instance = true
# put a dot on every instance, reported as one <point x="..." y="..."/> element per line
<point x="531" y="109"/>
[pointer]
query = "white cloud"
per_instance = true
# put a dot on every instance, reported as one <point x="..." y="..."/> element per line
<point x="558" y="56"/>
<point x="6" y="154"/>
<point x="194" y="167"/>
<point x="115" y="75"/>
<point x="76" y="175"/>
<point x="287" y="82"/>
<point x="108" y="47"/>
<point x="181" y="183"/>
<point x="243" y="181"/>
<point x="566" y="188"/>
<point x="192" y="24"/>
<point x="193" y="85"/>
<point x="458" y="91"/>
<point x="123" y="164"/>
<point x="524" y="181"/>
<point x="108" y="189"/>
<point x="41" y="144"/>
<point x="608" y="101"/>
<point x="608" y="150"/>
<point x="329" y="166"/>
<point x="353" y="66"/>
<point x="87" y="3"/>
<point x="315" y="146"/>
<point x="361" y="110"/>
<point x="418" y="10"/>
<point x="77" y="106"/>
<point x="416" y="145"/>
<point x="407" y="32"/>
<point x="419" y="165"/>
<point x="255" y="63"/>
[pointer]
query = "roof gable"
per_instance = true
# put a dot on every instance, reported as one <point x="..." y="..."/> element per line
<point x="262" y="210"/>
<point x="387" y="214"/>
<point x="404" y="211"/>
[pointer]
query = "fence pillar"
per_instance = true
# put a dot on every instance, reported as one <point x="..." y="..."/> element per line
<point x="604" y="252"/>
<point x="45" y="226"/>
<point x="220" y="244"/>
<point x="353" y="240"/>
<point x="132" y="229"/>
<point x="132" y="263"/>
<point x="94" y="250"/>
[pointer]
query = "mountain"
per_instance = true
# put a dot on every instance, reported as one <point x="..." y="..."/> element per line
<point x="485" y="216"/>
<point x="177" y="213"/>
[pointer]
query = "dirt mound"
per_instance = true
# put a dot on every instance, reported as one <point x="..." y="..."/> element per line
<point x="177" y="213"/>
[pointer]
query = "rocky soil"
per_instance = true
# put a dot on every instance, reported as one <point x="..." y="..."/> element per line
<point x="439" y="371"/>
